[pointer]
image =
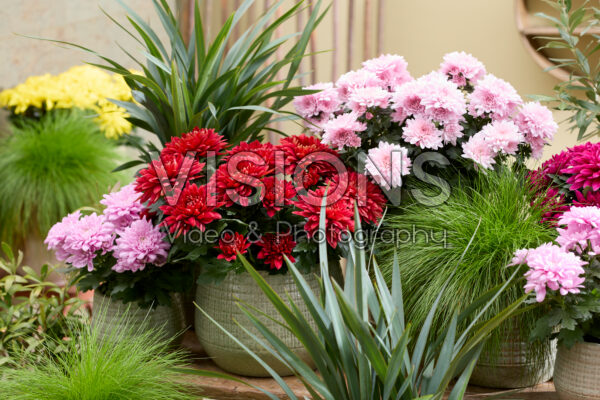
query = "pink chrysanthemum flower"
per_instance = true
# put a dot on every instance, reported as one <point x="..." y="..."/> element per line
<point x="391" y="69"/>
<point x="442" y="99"/>
<point x="387" y="163"/>
<point x="77" y="241"/>
<point x="536" y="120"/>
<point x="584" y="167"/>
<point x="362" y="99"/>
<point x="452" y="132"/>
<point x="423" y="133"/>
<point x="122" y="207"/>
<point x="317" y="108"/>
<point x="355" y="80"/>
<point x="493" y="97"/>
<point x="462" y="68"/>
<point x="341" y="131"/>
<point x="550" y="267"/>
<point x="479" y="150"/>
<point x="502" y="136"/>
<point x="582" y="226"/>
<point x="139" y="244"/>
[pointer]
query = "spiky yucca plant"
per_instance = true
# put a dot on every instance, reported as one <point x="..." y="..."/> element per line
<point x="211" y="84"/>
<point x="364" y="347"/>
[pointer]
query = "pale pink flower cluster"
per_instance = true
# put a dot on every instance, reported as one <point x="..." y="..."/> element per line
<point x="493" y="98"/>
<point x="560" y="267"/>
<point x="362" y="99"/>
<point x="78" y="239"/>
<point x="462" y="68"/>
<point x="551" y="267"/>
<point x="581" y="230"/>
<point x="353" y="80"/>
<point x="122" y="207"/>
<point x="391" y="69"/>
<point x="494" y="138"/>
<point x="342" y="131"/>
<point x="434" y="98"/>
<point x="387" y="163"/>
<point x="139" y="244"/>
<point x="318" y="107"/>
<point x="538" y="126"/>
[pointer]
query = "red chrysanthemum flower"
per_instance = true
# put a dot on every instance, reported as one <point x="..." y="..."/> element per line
<point x="266" y="151"/>
<point x="584" y="167"/>
<point x="274" y="247"/>
<point x="371" y="202"/>
<point x="193" y="210"/>
<point x="148" y="182"/>
<point x="199" y="140"/>
<point x="242" y="182"/>
<point x="338" y="215"/>
<point x="277" y="197"/>
<point x="298" y="150"/>
<point x="231" y="244"/>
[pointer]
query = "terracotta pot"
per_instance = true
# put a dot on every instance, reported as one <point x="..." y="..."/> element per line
<point x="220" y="301"/>
<point x="512" y="368"/>
<point x="165" y="320"/>
<point x="577" y="372"/>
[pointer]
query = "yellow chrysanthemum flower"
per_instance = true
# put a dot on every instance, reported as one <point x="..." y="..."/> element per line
<point x="85" y="86"/>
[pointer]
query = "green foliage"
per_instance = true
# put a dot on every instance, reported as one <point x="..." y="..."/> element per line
<point x="212" y="84"/>
<point x="363" y="347"/>
<point x="584" y="79"/>
<point x="49" y="168"/>
<point x="127" y="362"/>
<point x="32" y="310"/>
<point x="496" y="209"/>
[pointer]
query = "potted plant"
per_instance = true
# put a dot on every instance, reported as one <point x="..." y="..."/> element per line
<point x="58" y="153"/>
<point x="121" y="255"/>
<point x="565" y="279"/>
<point x="262" y="201"/>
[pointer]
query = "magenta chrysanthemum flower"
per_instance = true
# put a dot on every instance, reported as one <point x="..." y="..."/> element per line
<point x="479" y="150"/>
<point x="139" y="244"/>
<point x="423" y="133"/>
<point x="462" y="68"/>
<point x="341" y="131"/>
<point x="502" y="136"/>
<point x="317" y="108"/>
<point x="493" y="97"/>
<point x="584" y="167"/>
<point x="353" y="80"/>
<point x="77" y="241"/>
<point x="387" y="163"/>
<point x="122" y="207"/>
<point x="391" y="69"/>
<point x="550" y="267"/>
<point x="362" y="99"/>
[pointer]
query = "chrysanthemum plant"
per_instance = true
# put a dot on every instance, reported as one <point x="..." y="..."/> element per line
<point x="566" y="277"/>
<point x="85" y="88"/>
<point x="234" y="88"/>
<point x="119" y="252"/>
<point x="453" y="120"/>
<point x="570" y="178"/>
<point x="256" y="199"/>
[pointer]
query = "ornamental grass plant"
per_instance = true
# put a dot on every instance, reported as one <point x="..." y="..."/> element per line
<point x="50" y="167"/>
<point x="126" y="363"/>
<point x="500" y="207"/>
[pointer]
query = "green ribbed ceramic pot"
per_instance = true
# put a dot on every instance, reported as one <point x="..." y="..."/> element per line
<point x="220" y="302"/>
<point x="165" y="319"/>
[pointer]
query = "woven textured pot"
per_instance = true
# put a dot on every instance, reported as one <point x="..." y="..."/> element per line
<point x="220" y="302"/>
<point x="164" y="319"/>
<point x="511" y="369"/>
<point x="577" y="372"/>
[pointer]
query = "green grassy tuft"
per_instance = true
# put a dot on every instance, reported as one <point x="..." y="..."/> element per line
<point x="49" y="168"/>
<point x="130" y="363"/>
<point x="498" y="206"/>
